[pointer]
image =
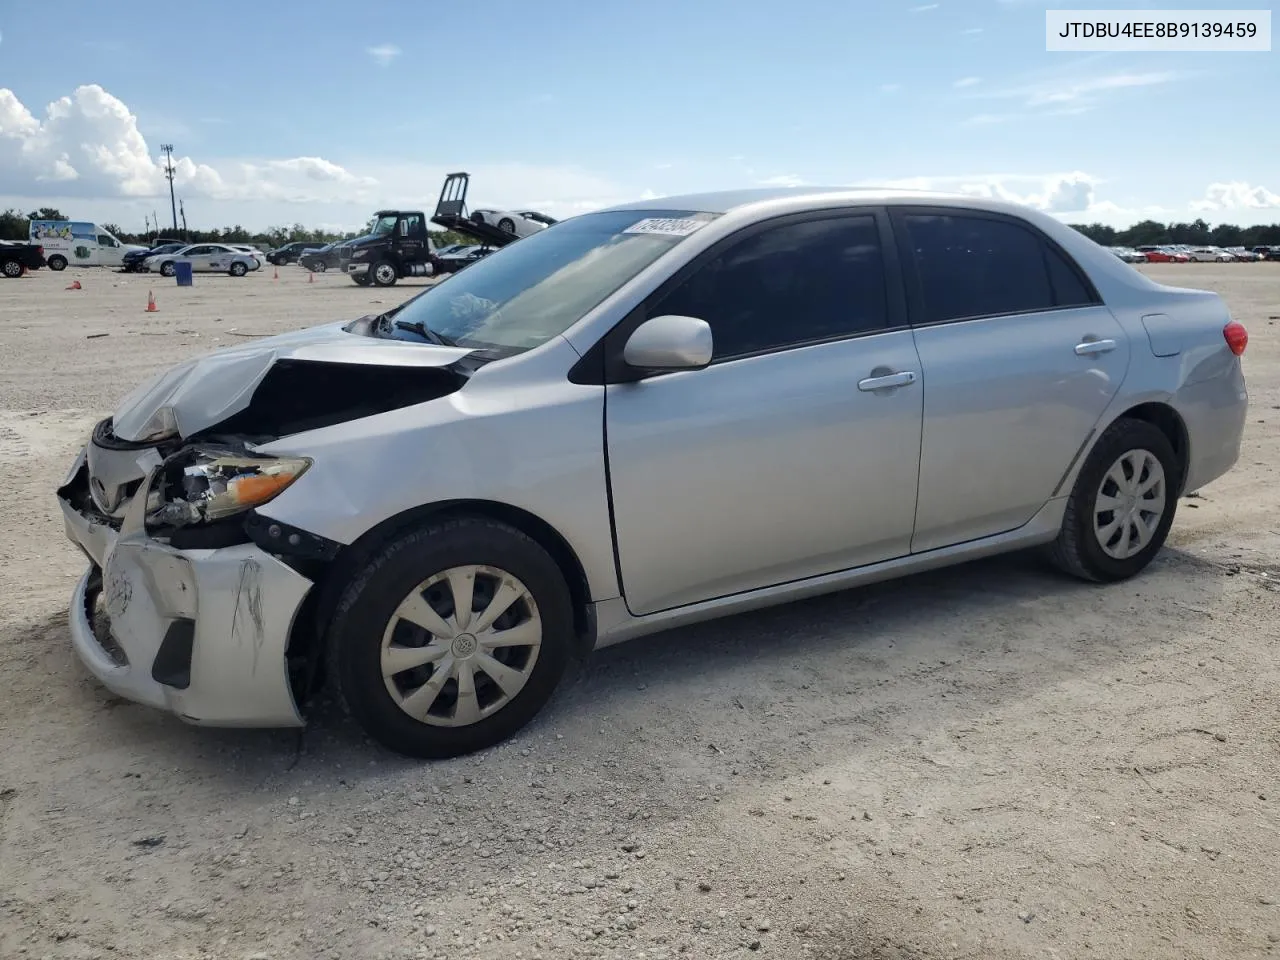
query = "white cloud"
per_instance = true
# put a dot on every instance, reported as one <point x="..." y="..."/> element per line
<point x="924" y="8"/>
<point x="1053" y="193"/>
<point x="88" y="157"/>
<point x="384" y="53"/>
<point x="1236" y="195"/>
<point x="967" y="82"/>
<point x="971" y="31"/>
<point x="1080" y="93"/>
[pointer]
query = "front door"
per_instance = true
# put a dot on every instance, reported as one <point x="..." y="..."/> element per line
<point x="110" y="253"/>
<point x="411" y="239"/>
<point x="1020" y="360"/>
<point x="796" y="452"/>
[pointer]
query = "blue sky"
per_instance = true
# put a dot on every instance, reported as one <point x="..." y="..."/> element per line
<point x="319" y="113"/>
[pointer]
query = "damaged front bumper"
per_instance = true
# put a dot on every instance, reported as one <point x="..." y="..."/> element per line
<point x="201" y="633"/>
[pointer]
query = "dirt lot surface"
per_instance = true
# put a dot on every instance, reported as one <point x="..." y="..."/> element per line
<point x="987" y="762"/>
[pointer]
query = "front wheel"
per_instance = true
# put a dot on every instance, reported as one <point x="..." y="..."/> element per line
<point x="361" y="280"/>
<point x="167" y="269"/>
<point x="238" y="269"/>
<point x="451" y="638"/>
<point x="57" y="262"/>
<point x="383" y="273"/>
<point x="1122" y="506"/>
<point x="321" y="267"/>
<point x="507" y="225"/>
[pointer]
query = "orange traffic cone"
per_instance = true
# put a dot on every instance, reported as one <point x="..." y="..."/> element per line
<point x="276" y="274"/>
<point x="151" y="303"/>
<point x="75" y="285"/>
<point x="311" y="277"/>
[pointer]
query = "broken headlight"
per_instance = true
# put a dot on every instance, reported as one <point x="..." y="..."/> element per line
<point x="204" y="485"/>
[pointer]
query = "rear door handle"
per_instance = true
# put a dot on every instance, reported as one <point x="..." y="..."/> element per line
<point x="1090" y="347"/>
<point x="888" y="382"/>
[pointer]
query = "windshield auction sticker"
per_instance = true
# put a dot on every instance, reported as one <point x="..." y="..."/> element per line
<point x="666" y="226"/>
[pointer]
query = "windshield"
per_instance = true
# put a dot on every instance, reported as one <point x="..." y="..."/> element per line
<point x="523" y="295"/>
<point x="380" y="225"/>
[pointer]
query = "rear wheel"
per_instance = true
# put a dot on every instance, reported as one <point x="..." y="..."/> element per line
<point x="1122" y="506"/>
<point x="167" y="269"/>
<point x="57" y="262"/>
<point x="238" y="269"/>
<point x="11" y="268"/>
<point x="383" y="273"/>
<point x="507" y="224"/>
<point x="451" y="638"/>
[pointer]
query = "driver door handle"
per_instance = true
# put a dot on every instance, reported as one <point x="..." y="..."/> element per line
<point x="1090" y="347"/>
<point x="888" y="382"/>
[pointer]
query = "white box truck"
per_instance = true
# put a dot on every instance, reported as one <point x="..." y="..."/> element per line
<point x="79" y="243"/>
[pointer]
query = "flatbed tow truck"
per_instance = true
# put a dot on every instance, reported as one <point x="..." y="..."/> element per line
<point x="398" y="244"/>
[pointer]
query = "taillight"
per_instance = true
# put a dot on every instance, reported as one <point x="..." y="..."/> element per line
<point x="1237" y="337"/>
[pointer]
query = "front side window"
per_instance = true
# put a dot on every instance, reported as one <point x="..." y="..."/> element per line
<point x="787" y="285"/>
<point x="382" y="225"/>
<point x="409" y="225"/>
<point x="971" y="266"/>
<point x="535" y="289"/>
<point x="106" y="240"/>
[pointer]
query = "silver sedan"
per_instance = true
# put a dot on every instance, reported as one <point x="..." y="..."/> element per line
<point x="204" y="258"/>
<point x="637" y="418"/>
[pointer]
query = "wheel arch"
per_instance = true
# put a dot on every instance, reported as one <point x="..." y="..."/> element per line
<point x="1157" y="412"/>
<point x="305" y="641"/>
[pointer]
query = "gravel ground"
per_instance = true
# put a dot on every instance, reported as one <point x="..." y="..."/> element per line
<point x="986" y="762"/>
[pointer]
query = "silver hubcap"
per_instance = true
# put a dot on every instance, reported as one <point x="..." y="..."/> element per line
<point x="12" y="269"/>
<point x="1130" y="504"/>
<point x="385" y="274"/>
<point x="461" y="645"/>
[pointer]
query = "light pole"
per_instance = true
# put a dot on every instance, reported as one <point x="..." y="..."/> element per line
<point x="168" y="172"/>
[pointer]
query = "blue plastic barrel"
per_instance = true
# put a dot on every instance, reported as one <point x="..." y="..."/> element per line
<point x="182" y="271"/>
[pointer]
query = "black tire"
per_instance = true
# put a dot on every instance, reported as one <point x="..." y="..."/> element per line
<point x="320" y="267"/>
<point x="361" y="281"/>
<point x="237" y="269"/>
<point x="507" y="225"/>
<point x="354" y="637"/>
<point x="167" y="269"/>
<point x="11" y="268"/>
<point x="383" y="273"/>
<point x="57" y="262"/>
<point x="1077" y="550"/>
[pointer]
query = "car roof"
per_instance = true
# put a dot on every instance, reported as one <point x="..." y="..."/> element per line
<point x="723" y="201"/>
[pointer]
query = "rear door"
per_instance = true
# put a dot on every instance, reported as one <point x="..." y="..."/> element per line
<point x="1020" y="359"/>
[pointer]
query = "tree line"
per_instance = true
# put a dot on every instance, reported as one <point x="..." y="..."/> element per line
<point x="1198" y="233"/>
<point x="14" y="225"/>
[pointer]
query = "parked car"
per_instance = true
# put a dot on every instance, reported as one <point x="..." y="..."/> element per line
<point x="1163" y="255"/>
<point x="321" y="259"/>
<point x="17" y="258"/>
<point x="468" y="254"/>
<point x="133" y="260"/>
<point x="251" y="250"/>
<point x="204" y="258"/>
<point x="568" y="444"/>
<point x="1210" y="255"/>
<point x="1129" y="255"/>
<point x="1267" y="252"/>
<point x="521" y="223"/>
<point x="291" y="252"/>
<point x="1241" y="254"/>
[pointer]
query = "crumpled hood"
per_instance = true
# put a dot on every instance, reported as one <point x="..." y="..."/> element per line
<point x="206" y="390"/>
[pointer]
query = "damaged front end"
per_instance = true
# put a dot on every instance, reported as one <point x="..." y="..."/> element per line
<point x="193" y="601"/>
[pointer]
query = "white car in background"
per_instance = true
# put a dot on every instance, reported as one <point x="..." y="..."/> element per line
<point x="204" y="258"/>
<point x="251" y="250"/>
<point x="522" y="223"/>
<point x="1209" y="255"/>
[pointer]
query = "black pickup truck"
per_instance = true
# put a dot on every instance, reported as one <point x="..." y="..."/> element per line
<point x="17" y="258"/>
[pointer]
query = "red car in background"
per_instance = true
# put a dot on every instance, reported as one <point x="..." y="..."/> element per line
<point x="1161" y="255"/>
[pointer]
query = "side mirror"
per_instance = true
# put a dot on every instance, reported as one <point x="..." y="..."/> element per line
<point x="669" y="342"/>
